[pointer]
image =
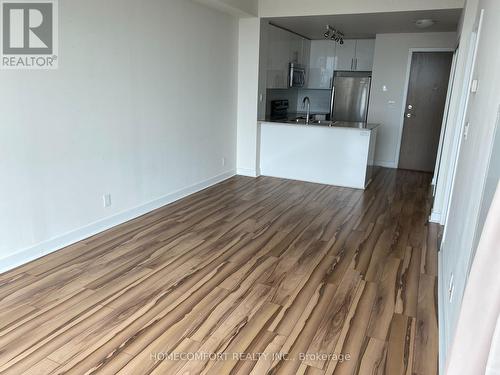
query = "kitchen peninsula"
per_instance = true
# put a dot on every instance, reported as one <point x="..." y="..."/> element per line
<point x="339" y="153"/>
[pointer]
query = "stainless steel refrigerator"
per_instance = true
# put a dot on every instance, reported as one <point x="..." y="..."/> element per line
<point x="350" y="96"/>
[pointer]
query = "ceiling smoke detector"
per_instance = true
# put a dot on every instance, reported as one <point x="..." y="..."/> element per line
<point x="424" y="23"/>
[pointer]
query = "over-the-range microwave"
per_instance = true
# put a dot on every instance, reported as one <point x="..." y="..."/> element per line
<point x="296" y="75"/>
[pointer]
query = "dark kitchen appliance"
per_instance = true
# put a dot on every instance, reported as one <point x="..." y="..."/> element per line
<point x="296" y="75"/>
<point x="279" y="109"/>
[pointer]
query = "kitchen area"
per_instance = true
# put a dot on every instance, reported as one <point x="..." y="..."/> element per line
<point x="332" y="95"/>
<point x="315" y="127"/>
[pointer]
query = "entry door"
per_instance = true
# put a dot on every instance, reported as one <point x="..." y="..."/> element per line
<point x="427" y="90"/>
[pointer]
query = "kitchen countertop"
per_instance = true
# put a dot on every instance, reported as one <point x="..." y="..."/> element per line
<point x="328" y="124"/>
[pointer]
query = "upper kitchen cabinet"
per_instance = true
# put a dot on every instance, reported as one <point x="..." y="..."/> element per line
<point x="278" y="58"/>
<point x="345" y="54"/>
<point x="300" y="49"/>
<point x="356" y="55"/>
<point x="284" y="47"/>
<point x="321" y="64"/>
<point x="365" y="49"/>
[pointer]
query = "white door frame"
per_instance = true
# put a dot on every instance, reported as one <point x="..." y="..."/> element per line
<point x="451" y="83"/>
<point x="476" y="35"/>
<point x="405" y="95"/>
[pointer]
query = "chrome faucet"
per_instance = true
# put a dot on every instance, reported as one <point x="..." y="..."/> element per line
<point x="308" y="110"/>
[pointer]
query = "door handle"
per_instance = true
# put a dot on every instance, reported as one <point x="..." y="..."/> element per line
<point x="409" y="115"/>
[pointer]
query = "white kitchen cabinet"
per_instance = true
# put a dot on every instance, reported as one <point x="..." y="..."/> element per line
<point x="306" y="52"/>
<point x="296" y="52"/>
<point x="355" y="55"/>
<point x="284" y="48"/>
<point x="345" y="54"/>
<point x="365" y="49"/>
<point x="321" y="64"/>
<point x="278" y="58"/>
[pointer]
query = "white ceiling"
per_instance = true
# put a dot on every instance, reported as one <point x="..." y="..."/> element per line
<point x="367" y="25"/>
<point x="238" y="8"/>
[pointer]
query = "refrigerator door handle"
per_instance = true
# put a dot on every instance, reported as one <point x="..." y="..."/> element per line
<point x="332" y="103"/>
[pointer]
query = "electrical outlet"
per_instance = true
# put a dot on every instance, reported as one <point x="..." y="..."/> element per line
<point x="106" y="200"/>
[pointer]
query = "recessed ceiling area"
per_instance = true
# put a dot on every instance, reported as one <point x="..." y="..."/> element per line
<point x="367" y="25"/>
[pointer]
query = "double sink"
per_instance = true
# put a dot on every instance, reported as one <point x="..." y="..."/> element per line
<point x="302" y="121"/>
<point x="339" y="124"/>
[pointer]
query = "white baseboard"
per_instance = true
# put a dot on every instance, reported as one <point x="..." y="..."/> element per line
<point x="435" y="217"/>
<point x="46" y="247"/>
<point x="385" y="164"/>
<point x="247" y="172"/>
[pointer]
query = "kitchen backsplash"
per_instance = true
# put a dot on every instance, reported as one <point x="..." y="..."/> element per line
<point x="320" y="99"/>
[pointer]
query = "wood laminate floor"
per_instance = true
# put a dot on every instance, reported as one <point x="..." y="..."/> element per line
<point x="309" y="278"/>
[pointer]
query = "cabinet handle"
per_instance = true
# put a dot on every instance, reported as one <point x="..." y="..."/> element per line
<point x="356" y="64"/>
<point x="352" y="63"/>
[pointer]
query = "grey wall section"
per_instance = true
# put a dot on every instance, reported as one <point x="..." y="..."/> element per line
<point x="390" y="68"/>
<point x="143" y="106"/>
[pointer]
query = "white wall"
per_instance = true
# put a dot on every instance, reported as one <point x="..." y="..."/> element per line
<point x="472" y="181"/>
<point x="265" y="28"/>
<point x="282" y="8"/>
<point x="390" y="69"/>
<point x="248" y="88"/>
<point x="143" y="106"/>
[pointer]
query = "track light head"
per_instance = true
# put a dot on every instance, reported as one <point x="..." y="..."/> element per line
<point x="333" y="34"/>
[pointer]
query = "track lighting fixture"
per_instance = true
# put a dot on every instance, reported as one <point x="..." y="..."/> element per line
<point x="334" y="34"/>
